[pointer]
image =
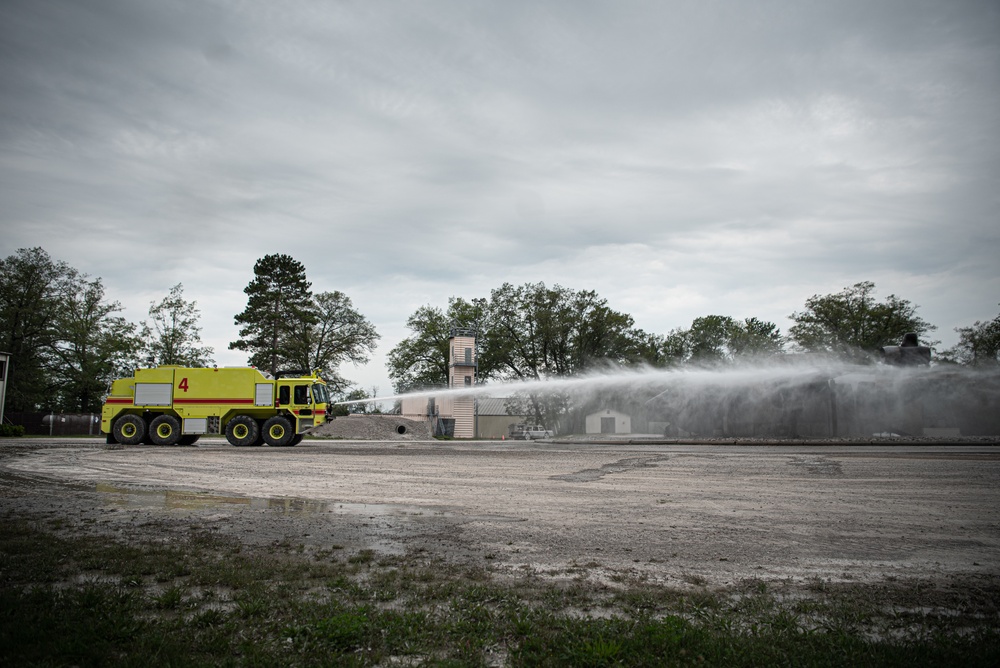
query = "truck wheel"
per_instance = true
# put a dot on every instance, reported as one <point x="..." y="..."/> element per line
<point x="165" y="430"/>
<point x="242" y="430"/>
<point x="278" y="431"/>
<point x="190" y="439"/>
<point x="259" y="441"/>
<point x="129" y="429"/>
<point x="296" y="439"/>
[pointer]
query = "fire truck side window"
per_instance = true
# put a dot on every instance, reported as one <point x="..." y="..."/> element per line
<point x="283" y="394"/>
<point x="302" y="394"/>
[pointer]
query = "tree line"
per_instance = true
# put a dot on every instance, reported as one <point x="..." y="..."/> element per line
<point x="67" y="339"/>
<point x="534" y="331"/>
<point x="285" y="325"/>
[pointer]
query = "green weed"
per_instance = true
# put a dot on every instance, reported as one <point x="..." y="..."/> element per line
<point x="79" y="600"/>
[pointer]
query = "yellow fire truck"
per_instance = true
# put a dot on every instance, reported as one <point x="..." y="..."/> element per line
<point x="173" y="405"/>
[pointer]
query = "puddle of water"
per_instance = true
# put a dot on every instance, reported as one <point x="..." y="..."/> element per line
<point x="124" y="497"/>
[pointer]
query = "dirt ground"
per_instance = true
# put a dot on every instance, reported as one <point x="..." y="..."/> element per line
<point x="696" y="514"/>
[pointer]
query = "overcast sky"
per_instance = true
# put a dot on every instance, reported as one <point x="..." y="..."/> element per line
<point x="680" y="158"/>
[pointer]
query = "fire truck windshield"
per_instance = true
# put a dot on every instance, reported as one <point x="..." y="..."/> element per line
<point x="320" y="394"/>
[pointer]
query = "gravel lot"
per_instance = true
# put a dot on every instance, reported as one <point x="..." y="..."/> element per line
<point x="695" y="514"/>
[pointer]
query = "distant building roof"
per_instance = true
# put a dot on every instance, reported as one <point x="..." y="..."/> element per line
<point x="608" y="411"/>
<point x="491" y="406"/>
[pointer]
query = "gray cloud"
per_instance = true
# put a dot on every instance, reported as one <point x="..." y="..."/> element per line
<point x="680" y="158"/>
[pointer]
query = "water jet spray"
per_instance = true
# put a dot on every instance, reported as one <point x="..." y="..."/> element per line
<point x="791" y="397"/>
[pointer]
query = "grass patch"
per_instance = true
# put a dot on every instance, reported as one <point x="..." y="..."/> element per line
<point x="205" y="600"/>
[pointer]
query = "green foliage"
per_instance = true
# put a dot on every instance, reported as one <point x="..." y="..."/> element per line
<point x="421" y="360"/>
<point x="94" y="346"/>
<point x="755" y="338"/>
<point x="525" y="332"/>
<point x="11" y="430"/>
<point x="533" y="332"/>
<point x="536" y="332"/>
<point x="675" y="348"/>
<point x="358" y="394"/>
<point x="851" y="322"/>
<point x="279" y="309"/>
<point x="716" y="339"/>
<point x="31" y="289"/>
<point x="339" y="333"/>
<point x="172" y="335"/>
<point x="82" y="600"/>
<point x="978" y="344"/>
<point x="708" y="337"/>
<point x="66" y="342"/>
<point x="336" y="411"/>
<point x="285" y="325"/>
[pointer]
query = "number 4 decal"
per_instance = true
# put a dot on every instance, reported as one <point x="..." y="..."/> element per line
<point x="183" y="385"/>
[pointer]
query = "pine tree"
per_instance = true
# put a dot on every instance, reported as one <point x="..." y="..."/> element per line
<point x="279" y="304"/>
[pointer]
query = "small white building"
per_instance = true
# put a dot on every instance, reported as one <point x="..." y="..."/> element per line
<point x="608" y="421"/>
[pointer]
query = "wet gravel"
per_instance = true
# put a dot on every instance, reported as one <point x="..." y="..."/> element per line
<point x="672" y="513"/>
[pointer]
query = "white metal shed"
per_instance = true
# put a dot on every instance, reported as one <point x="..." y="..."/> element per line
<point x="608" y="421"/>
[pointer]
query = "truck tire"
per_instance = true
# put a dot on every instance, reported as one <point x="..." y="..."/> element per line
<point x="242" y="430"/>
<point x="278" y="431"/>
<point x="296" y="439"/>
<point x="259" y="441"/>
<point x="129" y="430"/>
<point x="165" y="430"/>
<point x="190" y="439"/>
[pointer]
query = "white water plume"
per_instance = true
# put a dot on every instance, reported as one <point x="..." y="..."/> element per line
<point x="732" y="376"/>
<point x="639" y="378"/>
<point x="810" y="397"/>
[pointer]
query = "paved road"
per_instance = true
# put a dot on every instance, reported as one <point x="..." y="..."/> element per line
<point x="685" y="513"/>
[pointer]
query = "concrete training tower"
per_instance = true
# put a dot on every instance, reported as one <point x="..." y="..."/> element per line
<point x="462" y="373"/>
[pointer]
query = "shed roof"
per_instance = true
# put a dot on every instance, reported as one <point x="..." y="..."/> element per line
<point x="608" y="411"/>
<point x="491" y="406"/>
